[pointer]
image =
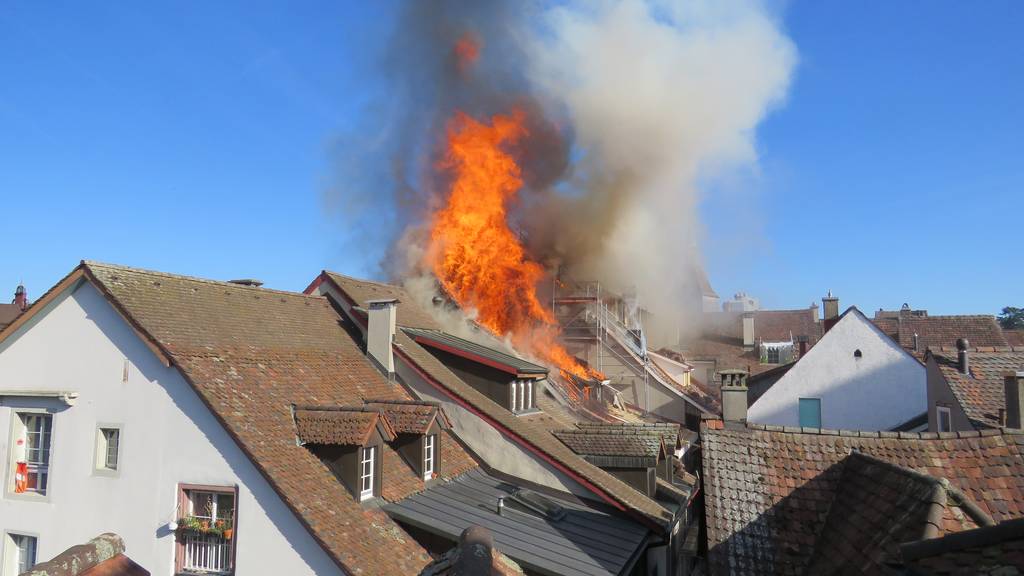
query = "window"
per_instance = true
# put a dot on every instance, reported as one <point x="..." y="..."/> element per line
<point x="19" y="554"/>
<point x="366" y="473"/>
<point x="429" y="451"/>
<point x="515" y="395"/>
<point x="521" y="395"/>
<point x="810" y="412"/>
<point x="944" y="422"/>
<point x="31" y="451"/>
<point x="772" y="356"/>
<point x="108" y="445"/>
<point x="206" y="530"/>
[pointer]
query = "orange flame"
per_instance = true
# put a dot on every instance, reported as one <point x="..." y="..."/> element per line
<point x="467" y="50"/>
<point x="473" y="252"/>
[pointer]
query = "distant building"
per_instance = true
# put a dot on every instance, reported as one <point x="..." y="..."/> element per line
<point x="8" y="312"/>
<point x="916" y="331"/>
<point x="854" y="378"/>
<point x="974" y="388"/>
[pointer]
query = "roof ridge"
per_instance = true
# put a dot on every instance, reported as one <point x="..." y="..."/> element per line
<point x="714" y="423"/>
<point x="225" y="283"/>
<point x="363" y="280"/>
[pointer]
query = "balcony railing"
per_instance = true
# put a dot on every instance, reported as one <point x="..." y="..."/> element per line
<point x="207" y="554"/>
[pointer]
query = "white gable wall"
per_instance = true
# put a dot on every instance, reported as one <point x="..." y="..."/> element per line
<point x="884" y="388"/>
<point x="169" y="437"/>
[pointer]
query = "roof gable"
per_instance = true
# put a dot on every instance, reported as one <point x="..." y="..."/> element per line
<point x="820" y="372"/>
<point x="981" y="394"/>
<point x="249" y="353"/>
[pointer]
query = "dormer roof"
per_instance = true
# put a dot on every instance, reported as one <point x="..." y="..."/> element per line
<point x="341" y="425"/>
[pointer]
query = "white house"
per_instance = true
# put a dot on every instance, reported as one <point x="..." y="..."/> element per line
<point x="131" y="400"/>
<point x="855" y="378"/>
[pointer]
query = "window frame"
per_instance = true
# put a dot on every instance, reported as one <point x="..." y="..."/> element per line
<point x="18" y="430"/>
<point x="367" y="493"/>
<point x="939" y="410"/>
<point x="183" y="508"/>
<point x="9" y="545"/>
<point x="514" y="386"/>
<point x="429" y="456"/>
<point x="800" y="412"/>
<point x="102" y="445"/>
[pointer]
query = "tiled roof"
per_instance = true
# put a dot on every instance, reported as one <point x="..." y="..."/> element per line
<point x="345" y="426"/>
<point x="1014" y="337"/>
<point x="770" y="491"/>
<point x="611" y="443"/>
<point x="534" y="435"/>
<point x="769" y="325"/>
<point x="8" y="312"/>
<point x="250" y="353"/>
<point x="995" y="549"/>
<point x="410" y="314"/>
<point x="982" y="394"/>
<point x="939" y="331"/>
<point x="408" y="416"/>
<point x="438" y="337"/>
<point x="667" y="431"/>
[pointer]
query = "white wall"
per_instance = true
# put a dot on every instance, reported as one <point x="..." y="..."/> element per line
<point x="169" y="437"/>
<point x="883" y="389"/>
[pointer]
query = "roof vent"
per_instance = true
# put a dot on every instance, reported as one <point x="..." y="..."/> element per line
<point x="962" y="356"/>
<point x="247" y="282"/>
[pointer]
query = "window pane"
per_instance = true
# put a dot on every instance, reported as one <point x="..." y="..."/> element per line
<point x="26" y="549"/>
<point x="810" y="412"/>
<point x="112" y="437"/>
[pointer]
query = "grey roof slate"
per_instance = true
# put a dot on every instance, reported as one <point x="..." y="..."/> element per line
<point x="586" y="541"/>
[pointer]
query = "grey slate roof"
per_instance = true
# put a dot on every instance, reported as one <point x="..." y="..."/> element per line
<point x="446" y="339"/>
<point x="586" y="541"/>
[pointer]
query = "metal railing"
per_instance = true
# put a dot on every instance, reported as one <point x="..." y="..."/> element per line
<point x="207" y="554"/>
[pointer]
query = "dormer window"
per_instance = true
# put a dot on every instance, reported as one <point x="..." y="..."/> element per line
<point x="348" y="440"/>
<point x="521" y="395"/>
<point x="366" y="466"/>
<point x="429" y="455"/>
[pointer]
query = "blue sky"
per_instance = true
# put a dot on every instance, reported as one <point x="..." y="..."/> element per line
<point x="200" y="139"/>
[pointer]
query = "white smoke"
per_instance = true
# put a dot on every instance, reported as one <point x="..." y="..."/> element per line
<point x="660" y="96"/>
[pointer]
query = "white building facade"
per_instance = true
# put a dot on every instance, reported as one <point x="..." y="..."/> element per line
<point x="98" y="435"/>
<point x="854" y="378"/>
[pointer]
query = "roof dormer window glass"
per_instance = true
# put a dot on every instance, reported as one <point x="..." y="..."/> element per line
<point x="429" y="455"/>
<point x="366" y="464"/>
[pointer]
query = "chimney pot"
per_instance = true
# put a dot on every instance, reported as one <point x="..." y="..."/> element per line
<point x="830" y="309"/>
<point x="380" y="332"/>
<point x="20" y="297"/>
<point x="963" y="356"/>
<point x="734" y="396"/>
<point x="1014" y="389"/>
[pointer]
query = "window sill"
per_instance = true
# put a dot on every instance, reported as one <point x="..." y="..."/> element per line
<point x="28" y="497"/>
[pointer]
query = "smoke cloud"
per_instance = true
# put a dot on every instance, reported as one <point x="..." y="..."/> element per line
<point x="631" y="106"/>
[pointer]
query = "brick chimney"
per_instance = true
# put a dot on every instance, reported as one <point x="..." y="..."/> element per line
<point x="20" y="297"/>
<point x="830" y="309"/>
<point x="380" y="333"/>
<point x="963" y="357"/>
<point x="1014" y="389"/>
<point x="734" y="396"/>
